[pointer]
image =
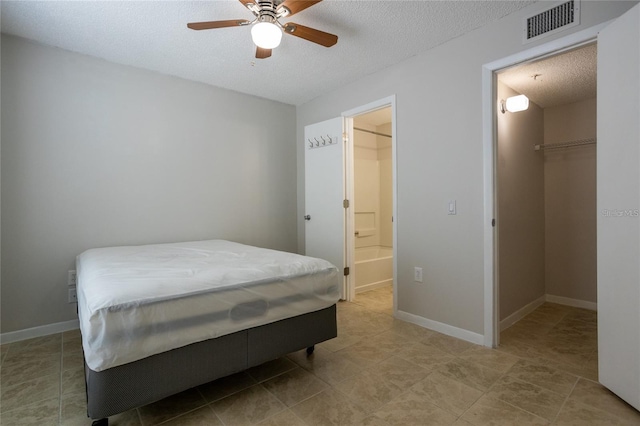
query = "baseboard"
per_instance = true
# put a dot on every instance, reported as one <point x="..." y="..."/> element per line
<point x="526" y="310"/>
<point x="44" y="330"/>
<point x="373" y="286"/>
<point x="447" y="329"/>
<point x="576" y="303"/>
<point x="521" y="313"/>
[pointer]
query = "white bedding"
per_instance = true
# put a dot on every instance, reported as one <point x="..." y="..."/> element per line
<point x="137" y="301"/>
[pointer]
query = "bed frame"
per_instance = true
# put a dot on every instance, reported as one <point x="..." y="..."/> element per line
<point x="118" y="389"/>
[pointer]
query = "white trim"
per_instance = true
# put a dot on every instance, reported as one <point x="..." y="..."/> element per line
<point x="491" y="317"/>
<point x="576" y="303"/>
<point x="522" y="312"/>
<point x="389" y="101"/>
<point x="527" y="309"/>
<point x="490" y="257"/>
<point x="440" y="327"/>
<point x="373" y="286"/>
<point x="43" y="330"/>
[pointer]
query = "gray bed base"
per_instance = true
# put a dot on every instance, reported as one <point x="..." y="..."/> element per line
<point x="138" y="383"/>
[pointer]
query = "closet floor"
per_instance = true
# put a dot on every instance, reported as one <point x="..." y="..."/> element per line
<point x="378" y="371"/>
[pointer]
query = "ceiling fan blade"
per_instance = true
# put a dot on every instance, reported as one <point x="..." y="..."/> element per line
<point x="247" y="3"/>
<point x="262" y="53"/>
<point x="217" y="24"/>
<point x="251" y="5"/>
<point x="316" y="36"/>
<point x="295" y="6"/>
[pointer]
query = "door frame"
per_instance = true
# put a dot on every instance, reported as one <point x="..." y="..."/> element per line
<point x="489" y="140"/>
<point x="348" y="116"/>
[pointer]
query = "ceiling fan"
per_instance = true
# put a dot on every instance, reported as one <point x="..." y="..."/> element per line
<point x="267" y="30"/>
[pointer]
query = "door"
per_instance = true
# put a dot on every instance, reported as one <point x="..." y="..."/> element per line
<point x="618" y="193"/>
<point x="324" y="162"/>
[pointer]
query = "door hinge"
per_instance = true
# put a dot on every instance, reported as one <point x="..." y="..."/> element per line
<point x="345" y="204"/>
<point x="493" y="222"/>
<point x="346" y="271"/>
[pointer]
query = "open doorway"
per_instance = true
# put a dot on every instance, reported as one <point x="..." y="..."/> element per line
<point x="371" y="222"/>
<point x="372" y="210"/>
<point x="546" y="209"/>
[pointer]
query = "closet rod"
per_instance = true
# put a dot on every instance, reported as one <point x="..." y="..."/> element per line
<point x="371" y="131"/>
<point x="580" y="142"/>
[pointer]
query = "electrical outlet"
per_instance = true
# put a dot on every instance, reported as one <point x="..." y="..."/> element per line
<point x="73" y="295"/>
<point x="71" y="277"/>
<point x="417" y="274"/>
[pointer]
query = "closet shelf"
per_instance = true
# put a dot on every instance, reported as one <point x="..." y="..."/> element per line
<point x="571" y="144"/>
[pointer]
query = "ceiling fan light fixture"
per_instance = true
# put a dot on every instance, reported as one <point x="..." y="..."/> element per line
<point x="266" y="35"/>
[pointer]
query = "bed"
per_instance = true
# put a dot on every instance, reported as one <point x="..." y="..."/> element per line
<point x="159" y="319"/>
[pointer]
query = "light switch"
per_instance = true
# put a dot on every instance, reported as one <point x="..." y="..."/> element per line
<point x="451" y="207"/>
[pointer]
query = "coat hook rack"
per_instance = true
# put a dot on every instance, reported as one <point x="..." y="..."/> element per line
<point x="324" y="140"/>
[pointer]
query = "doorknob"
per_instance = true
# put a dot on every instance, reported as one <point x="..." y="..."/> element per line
<point x="307" y="217"/>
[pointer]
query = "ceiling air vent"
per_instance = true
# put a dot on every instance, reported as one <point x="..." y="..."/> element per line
<point x="550" y="21"/>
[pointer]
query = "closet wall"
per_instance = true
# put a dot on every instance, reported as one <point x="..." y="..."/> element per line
<point x="520" y="206"/>
<point x="570" y="202"/>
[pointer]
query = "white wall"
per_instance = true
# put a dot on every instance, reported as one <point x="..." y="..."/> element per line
<point x="439" y="157"/>
<point x="97" y="154"/>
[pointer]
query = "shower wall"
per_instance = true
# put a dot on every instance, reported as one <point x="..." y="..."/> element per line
<point x="373" y="186"/>
<point x="386" y="186"/>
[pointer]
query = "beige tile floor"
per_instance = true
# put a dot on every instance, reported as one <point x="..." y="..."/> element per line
<point x="378" y="371"/>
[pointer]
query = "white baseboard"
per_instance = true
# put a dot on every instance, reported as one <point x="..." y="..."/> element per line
<point x="521" y="313"/>
<point x="44" y="330"/>
<point x="440" y="327"/>
<point x="576" y="303"/>
<point x="373" y="286"/>
<point x="526" y="310"/>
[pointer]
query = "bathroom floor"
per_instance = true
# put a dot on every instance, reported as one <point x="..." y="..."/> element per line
<point x="378" y="371"/>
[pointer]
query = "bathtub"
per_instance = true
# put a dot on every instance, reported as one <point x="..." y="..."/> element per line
<point x="373" y="267"/>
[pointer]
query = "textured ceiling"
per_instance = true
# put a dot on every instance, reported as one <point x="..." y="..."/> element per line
<point x="153" y="35"/>
<point x="562" y="79"/>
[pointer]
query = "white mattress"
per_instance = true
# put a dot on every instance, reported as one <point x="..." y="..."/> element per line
<point x="137" y="301"/>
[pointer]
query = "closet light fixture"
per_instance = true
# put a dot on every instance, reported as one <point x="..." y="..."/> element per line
<point x="514" y="104"/>
<point x="266" y="35"/>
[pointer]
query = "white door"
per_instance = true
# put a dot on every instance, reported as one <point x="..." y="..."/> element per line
<point x="324" y="163"/>
<point x="618" y="193"/>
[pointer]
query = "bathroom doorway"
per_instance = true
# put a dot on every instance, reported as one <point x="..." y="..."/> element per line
<point x="371" y="189"/>
<point x="373" y="206"/>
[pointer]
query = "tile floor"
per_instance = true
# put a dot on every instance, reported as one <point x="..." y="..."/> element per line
<point x="378" y="371"/>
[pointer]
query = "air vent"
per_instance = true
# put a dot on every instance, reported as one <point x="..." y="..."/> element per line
<point x="551" y="21"/>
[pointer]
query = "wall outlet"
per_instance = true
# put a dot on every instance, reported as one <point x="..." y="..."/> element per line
<point x="417" y="274"/>
<point x="71" y="277"/>
<point x="73" y="295"/>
